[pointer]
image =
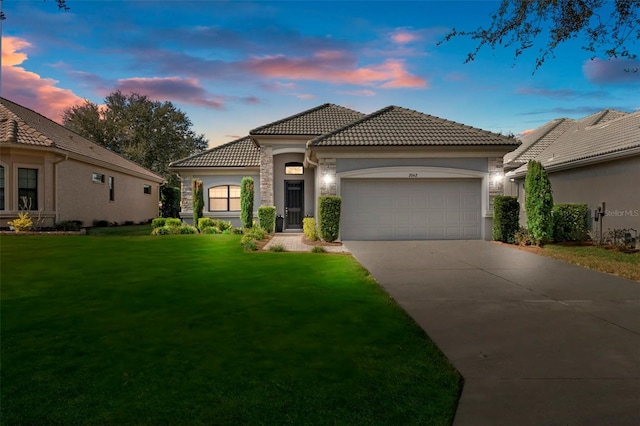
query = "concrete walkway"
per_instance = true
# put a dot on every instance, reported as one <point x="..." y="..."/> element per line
<point x="293" y="242"/>
<point x="538" y="341"/>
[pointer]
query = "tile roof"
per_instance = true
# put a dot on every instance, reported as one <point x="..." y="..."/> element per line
<point x="603" y="133"/>
<point x="20" y="125"/>
<point x="241" y="152"/>
<point x="396" y="126"/>
<point x="535" y="142"/>
<point x="313" y="122"/>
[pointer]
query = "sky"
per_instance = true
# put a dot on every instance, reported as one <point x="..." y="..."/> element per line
<point x="232" y="66"/>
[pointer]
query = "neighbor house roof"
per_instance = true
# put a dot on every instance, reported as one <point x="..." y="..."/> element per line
<point x="22" y="126"/>
<point x="238" y="153"/>
<point x="605" y="134"/>
<point x="397" y="126"/>
<point x="313" y="122"/>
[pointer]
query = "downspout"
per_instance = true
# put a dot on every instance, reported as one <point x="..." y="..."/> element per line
<point x="307" y="158"/>
<point x="55" y="178"/>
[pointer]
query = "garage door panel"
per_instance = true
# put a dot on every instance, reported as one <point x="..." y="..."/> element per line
<point x="395" y="209"/>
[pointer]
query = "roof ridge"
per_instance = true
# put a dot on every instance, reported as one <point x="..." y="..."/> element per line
<point x="535" y="142"/>
<point x="215" y="148"/>
<point x="17" y="121"/>
<point x="291" y="117"/>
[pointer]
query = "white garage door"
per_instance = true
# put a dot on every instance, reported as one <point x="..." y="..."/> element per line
<point x="410" y="209"/>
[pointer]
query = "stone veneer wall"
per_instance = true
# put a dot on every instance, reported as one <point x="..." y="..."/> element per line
<point x="186" y="199"/>
<point x="327" y="176"/>
<point x="266" y="176"/>
<point x="496" y="186"/>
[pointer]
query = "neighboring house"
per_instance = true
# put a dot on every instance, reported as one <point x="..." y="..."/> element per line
<point x="592" y="160"/>
<point x="401" y="174"/>
<point x="67" y="177"/>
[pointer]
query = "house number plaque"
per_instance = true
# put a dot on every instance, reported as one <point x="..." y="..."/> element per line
<point x="413" y="175"/>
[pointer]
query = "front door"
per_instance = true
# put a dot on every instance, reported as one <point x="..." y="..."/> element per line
<point x="293" y="203"/>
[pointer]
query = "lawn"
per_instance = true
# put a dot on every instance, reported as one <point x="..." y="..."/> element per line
<point x="189" y="329"/>
<point x="626" y="265"/>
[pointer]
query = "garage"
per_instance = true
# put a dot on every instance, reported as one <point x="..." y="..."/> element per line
<point x="411" y="209"/>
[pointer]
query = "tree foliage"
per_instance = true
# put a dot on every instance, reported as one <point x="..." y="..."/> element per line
<point x="610" y="28"/>
<point x="538" y="202"/>
<point x="197" y="193"/>
<point x="151" y="133"/>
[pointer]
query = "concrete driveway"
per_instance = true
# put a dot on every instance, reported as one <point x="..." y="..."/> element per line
<point x="538" y="342"/>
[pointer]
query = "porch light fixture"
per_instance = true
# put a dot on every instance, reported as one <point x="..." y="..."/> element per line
<point x="496" y="178"/>
<point x="327" y="179"/>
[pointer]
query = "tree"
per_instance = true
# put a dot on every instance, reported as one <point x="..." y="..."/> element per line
<point x="246" y="202"/>
<point x="151" y="133"/>
<point x="538" y="202"/>
<point x="198" y="200"/>
<point x="610" y="28"/>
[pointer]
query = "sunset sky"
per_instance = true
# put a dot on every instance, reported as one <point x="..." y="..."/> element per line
<point x="235" y="65"/>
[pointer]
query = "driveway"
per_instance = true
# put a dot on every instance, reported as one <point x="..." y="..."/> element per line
<point x="538" y="341"/>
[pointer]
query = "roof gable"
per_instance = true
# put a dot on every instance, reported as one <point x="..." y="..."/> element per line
<point x="238" y="153"/>
<point x="22" y="126"/>
<point x="397" y="126"/>
<point x="313" y="122"/>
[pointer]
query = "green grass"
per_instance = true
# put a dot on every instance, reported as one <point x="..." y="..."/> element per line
<point x="626" y="265"/>
<point x="189" y="329"/>
<point x="123" y="230"/>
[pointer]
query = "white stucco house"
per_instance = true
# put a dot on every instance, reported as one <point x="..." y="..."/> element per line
<point x="401" y="174"/>
<point x="593" y="160"/>
<point x="67" y="177"/>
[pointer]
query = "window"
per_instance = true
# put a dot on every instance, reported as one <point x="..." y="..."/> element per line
<point x="1" y="187"/>
<point x="147" y="189"/>
<point x="28" y="188"/>
<point x="97" y="177"/>
<point x="111" y="192"/>
<point x="224" y="198"/>
<point x="293" y="169"/>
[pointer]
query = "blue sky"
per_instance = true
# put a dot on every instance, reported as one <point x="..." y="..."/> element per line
<point x="235" y="65"/>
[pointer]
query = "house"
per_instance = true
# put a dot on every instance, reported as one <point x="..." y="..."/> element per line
<point x="593" y="160"/>
<point x="401" y="174"/>
<point x="64" y="176"/>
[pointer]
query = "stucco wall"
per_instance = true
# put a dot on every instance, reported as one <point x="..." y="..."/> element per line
<point x="209" y="181"/>
<point x="614" y="182"/>
<point x="349" y="164"/>
<point x="80" y="198"/>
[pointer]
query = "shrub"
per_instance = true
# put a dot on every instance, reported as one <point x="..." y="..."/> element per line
<point x="158" y="222"/>
<point x="206" y="222"/>
<point x="238" y="231"/>
<point x="246" y="202"/>
<point x="173" y="222"/>
<point x="209" y="230"/>
<point x="267" y="218"/>
<point x="198" y="199"/>
<point x="187" y="229"/>
<point x="506" y="213"/>
<point x="100" y="223"/>
<point x="22" y="223"/>
<point x="161" y="230"/>
<point x="318" y="249"/>
<point x="539" y="203"/>
<point x="278" y="248"/>
<point x="257" y="233"/>
<point x="222" y="225"/>
<point x="170" y="199"/>
<point x="310" y="229"/>
<point x="329" y="216"/>
<point x="249" y="245"/>
<point x="523" y="238"/>
<point x="68" y="225"/>
<point x="570" y="222"/>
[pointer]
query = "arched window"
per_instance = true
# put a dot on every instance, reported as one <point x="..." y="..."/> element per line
<point x="224" y="198"/>
<point x="293" y="169"/>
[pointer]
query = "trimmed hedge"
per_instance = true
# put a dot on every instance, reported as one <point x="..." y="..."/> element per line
<point x="310" y="229"/>
<point x="329" y="217"/>
<point x="570" y="222"/>
<point x="246" y="202"/>
<point x="267" y="218"/>
<point x="205" y="222"/>
<point x="158" y="222"/>
<point x="198" y="200"/>
<point x="506" y="214"/>
<point x="539" y="202"/>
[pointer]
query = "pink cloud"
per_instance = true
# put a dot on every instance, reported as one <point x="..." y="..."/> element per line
<point x="365" y="92"/>
<point x="524" y="133"/>
<point x="28" y="88"/>
<point x="335" y="67"/>
<point x="186" y="90"/>
<point x="403" y="36"/>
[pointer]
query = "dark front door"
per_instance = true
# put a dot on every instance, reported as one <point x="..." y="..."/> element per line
<point x="293" y="203"/>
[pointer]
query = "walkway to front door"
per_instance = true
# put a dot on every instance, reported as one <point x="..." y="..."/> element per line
<point x="293" y="204"/>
